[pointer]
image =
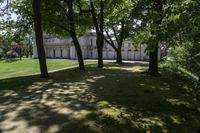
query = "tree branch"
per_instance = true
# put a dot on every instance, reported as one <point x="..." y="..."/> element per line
<point x="115" y="34"/>
<point x="93" y="11"/>
<point x="110" y="41"/>
<point x="121" y="36"/>
<point x="63" y="8"/>
<point x="83" y="11"/>
<point x="60" y="26"/>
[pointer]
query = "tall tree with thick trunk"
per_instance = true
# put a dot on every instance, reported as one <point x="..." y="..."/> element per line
<point x="99" y="27"/>
<point x="153" y="62"/>
<point x="62" y="19"/>
<point x="153" y="53"/>
<point x="39" y="38"/>
<point x="72" y="32"/>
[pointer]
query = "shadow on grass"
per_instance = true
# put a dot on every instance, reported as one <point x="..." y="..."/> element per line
<point x="110" y="100"/>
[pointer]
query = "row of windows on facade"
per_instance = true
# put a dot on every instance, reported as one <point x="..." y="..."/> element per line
<point x="50" y="40"/>
<point x="61" y="51"/>
<point x="130" y="46"/>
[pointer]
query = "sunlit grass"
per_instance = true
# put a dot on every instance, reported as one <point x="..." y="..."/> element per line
<point x="15" y="67"/>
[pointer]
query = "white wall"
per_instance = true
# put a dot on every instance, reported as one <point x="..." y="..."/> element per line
<point x="35" y="54"/>
<point x="89" y="49"/>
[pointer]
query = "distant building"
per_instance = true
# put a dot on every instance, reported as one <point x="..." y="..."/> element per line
<point x="64" y="48"/>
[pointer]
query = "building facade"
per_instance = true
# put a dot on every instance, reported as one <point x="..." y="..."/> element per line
<point x="64" y="49"/>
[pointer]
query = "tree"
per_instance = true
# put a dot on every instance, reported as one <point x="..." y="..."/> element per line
<point x="119" y="37"/>
<point x="119" y="24"/>
<point x="5" y="46"/>
<point x="62" y="19"/>
<point x="39" y="38"/>
<point x="153" y="53"/>
<point x="151" y="14"/>
<point x="72" y="31"/>
<point x="17" y="30"/>
<point x="184" y="20"/>
<point x="19" y="49"/>
<point x="99" y="27"/>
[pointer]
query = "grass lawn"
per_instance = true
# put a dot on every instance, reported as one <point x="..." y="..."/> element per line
<point x="16" y="68"/>
<point x="110" y="100"/>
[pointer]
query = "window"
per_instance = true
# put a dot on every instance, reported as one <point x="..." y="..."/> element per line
<point x="61" y="53"/>
<point x="91" y="42"/>
<point x="54" y="52"/>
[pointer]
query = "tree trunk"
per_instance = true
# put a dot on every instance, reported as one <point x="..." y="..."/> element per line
<point x="99" y="31"/>
<point x="199" y="78"/>
<point x="119" y="40"/>
<point x="119" y="55"/>
<point x="78" y="51"/>
<point x="39" y="39"/>
<point x="100" y="54"/>
<point x="100" y="64"/>
<point x="153" y="62"/>
<point x="74" y="37"/>
<point x="20" y="53"/>
<point x="153" y="55"/>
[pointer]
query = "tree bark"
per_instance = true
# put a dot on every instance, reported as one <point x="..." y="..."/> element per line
<point x="153" y="62"/>
<point x="116" y="48"/>
<point x="153" y="55"/>
<point x="120" y="43"/>
<point x="99" y="31"/>
<point x="39" y="38"/>
<point x="73" y="35"/>
<point x="100" y="64"/>
<point x="20" y="52"/>
<point x="119" y="55"/>
<point x="100" y="53"/>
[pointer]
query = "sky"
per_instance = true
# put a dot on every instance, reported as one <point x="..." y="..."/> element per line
<point x="13" y="16"/>
<point x="4" y="17"/>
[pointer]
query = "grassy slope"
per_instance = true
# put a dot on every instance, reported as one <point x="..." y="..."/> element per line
<point x="112" y="100"/>
<point x="15" y="68"/>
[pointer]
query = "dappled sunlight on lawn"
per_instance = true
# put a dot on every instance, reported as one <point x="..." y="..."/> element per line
<point x="112" y="100"/>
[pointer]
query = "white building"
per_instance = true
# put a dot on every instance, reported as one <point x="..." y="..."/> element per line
<point x="64" y="48"/>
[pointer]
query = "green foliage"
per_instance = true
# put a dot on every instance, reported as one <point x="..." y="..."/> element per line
<point x="141" y="37"/>
<point x="119" y="22"/>
<point x="55" y="20"/>
<point x="183" y="23"/>
<point x="16" y="29"/>
<point x="185" y="59"/>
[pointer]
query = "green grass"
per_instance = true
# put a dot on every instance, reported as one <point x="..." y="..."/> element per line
<point x="16" y="68"/>
<point x="116" y="99"/>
